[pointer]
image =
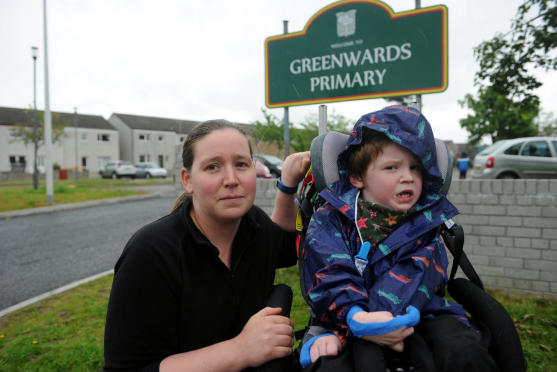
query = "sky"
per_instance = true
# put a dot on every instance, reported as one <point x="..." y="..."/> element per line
<point x="199" y="60"/>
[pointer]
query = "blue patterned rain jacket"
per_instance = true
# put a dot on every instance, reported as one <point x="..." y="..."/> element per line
<point x="409" y="266"/>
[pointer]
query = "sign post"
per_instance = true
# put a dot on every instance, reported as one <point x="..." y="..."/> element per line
<point x="358" y="49"/>
<point x="286" y="119"/>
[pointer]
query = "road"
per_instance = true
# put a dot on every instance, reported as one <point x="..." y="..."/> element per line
<point x="43" y="252"/>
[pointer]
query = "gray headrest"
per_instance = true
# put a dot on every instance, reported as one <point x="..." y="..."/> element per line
<point x="326" y="148"/>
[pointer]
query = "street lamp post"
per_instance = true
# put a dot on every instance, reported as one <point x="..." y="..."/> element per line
<point x="76" y="157"/>
<point x="35" y="52"/>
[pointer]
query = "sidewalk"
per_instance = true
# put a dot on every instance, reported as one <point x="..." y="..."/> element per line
<point x="69" y="206"/>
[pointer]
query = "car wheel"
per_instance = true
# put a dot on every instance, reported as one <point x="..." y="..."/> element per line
<point x="275" y="175"/>
<point x="507" y="176"/>
<point x="132" y="177"/>
<point x="163" y="176"/>
<point x="147" y="175"/>
<point x="114" y="175"/>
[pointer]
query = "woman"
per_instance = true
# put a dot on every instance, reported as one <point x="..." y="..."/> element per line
<point x="189" y="289"/>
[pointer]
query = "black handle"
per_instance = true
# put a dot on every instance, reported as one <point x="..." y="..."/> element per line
<point x="280" y="297"/>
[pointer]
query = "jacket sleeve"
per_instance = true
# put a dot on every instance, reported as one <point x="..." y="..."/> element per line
<point x="413" y="278"/>
<point x="330" y="275"/>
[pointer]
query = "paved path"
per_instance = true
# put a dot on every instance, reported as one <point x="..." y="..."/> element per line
<point x="42" y="252"/>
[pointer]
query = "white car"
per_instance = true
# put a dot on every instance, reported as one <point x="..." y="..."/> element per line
<point x="118" y="168"/>
<point x="148" y="170"/>
<point x="530" y="157"/>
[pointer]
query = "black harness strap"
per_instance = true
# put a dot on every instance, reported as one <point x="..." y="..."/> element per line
<point x="454" y="237"/>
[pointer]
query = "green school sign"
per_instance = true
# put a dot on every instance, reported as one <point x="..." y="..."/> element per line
<point x="358" y="49"/>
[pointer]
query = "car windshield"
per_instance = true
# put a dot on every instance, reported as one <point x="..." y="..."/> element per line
<point x="491" y="149"/>
<point x="272" y="159"/>
<point x="152" y="165"/>
<point x="125" y="163"/>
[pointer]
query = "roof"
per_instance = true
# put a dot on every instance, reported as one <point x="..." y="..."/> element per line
<point x="153" y="123"/>
<point x="11" y="116"/>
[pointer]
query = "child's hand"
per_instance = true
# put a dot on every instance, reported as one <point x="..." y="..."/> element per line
<point x="392" y="339"/>
<point x="326" y="345"/>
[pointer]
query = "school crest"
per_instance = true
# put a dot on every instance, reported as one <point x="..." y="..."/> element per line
<point x="346" y="23"/>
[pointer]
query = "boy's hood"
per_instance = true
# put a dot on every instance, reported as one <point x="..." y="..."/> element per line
<point x="405" y="126"/>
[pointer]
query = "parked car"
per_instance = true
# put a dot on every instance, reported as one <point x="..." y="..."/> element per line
<point x="148" y="170"/>
<point x="273" y="163"/>
<point x="530" y="157"/>
<point x="261" y="170"/>
<point x="118" y="168"/>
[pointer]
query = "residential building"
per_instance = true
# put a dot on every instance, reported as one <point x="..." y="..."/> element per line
<point x="144" y="138"/>
<point x="97" y="143"/>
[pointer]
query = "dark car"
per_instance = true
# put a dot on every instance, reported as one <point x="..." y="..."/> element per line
<point x="272" y="162"/>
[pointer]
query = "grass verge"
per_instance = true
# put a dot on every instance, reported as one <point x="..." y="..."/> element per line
<point x="93" y="182"/>
<point x="65" y="331"/>
<point x="15" y="198"/>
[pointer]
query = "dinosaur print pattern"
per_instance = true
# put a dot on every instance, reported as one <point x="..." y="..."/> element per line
<point x="392" y="137"/>
<point x="423" y="289"/>
<point x="389" y="296"/>
<point x="424" y="160"/>
<point x="400" y="278"/>
<point x="352" y="288"/>
<point x="384" y="249"/>
<point x="338" y="255"/>
<point x="423" y="259"/>
<point x="421" y="128"/>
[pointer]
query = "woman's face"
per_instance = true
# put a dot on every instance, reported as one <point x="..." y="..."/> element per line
<point x="222" y="180"/>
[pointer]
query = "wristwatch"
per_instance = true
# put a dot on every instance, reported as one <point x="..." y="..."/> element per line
<point x="286" y="189"/>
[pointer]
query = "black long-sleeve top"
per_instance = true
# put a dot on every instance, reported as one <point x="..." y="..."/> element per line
<point x="172" y="293"/>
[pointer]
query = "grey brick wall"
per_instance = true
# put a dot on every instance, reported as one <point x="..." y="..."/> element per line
<point x="510" y="232"/>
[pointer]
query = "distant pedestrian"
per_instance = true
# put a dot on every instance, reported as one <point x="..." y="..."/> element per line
<point x="463" y="164"/>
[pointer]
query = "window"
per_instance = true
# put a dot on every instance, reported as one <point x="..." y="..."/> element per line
<point x="144" y="158"/>
<point x="513" y="150"/>
<point x="17" y="163"/>
<point x="84" y="162"/>
<point x="11" y="133"/>
<point x="102" y="162"/>
<point x="83" y="137"/>
<point x="537" y="148"/>
<point x="40" y="160"/>
<point x="103" y="137"/>
<point x="144" y="137"/>
<point x="182" y="138"/>
<point x="160" y="138"/>
<point x="161" y="161"/>
<point x="555" y="146"/>
<point x="166" y="158"/>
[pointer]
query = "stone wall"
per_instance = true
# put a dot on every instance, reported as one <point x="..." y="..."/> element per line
<point x="510" y="232"/>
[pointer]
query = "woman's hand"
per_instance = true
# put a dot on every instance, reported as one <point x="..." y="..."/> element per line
<point x="266" y="336"/>
<point x="294" y="168"/>
<point x="392" y="339"/>
<point x="326" y="345"/>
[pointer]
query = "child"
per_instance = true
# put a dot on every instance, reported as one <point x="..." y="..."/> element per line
<point x="463" y="163"/>
<point x="373" y="251"/>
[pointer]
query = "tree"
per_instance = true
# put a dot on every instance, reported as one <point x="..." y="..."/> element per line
<point x="506" y="106"/>
<point x="309" y="129"/>
<point x="270" y="131"/>
<point x="25" y="132"/>
<point x="547" y="124"/>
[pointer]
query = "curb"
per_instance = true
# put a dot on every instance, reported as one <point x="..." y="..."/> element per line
<point x="51" y="293"/>
<point x="70" y="206"/>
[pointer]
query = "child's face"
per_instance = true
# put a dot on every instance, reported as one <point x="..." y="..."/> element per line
<point x="394" y="180"/>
